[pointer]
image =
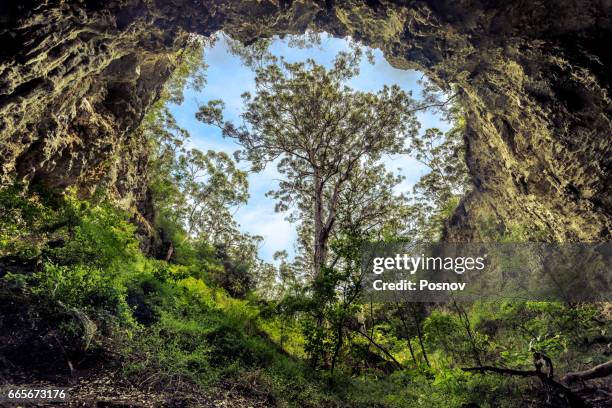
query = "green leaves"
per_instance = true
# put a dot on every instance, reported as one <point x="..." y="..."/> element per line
<point x="212" y="112"/>
<point x="193" y="190"/>
<point x="97" y="235"/>
<point x="326" y="140"/>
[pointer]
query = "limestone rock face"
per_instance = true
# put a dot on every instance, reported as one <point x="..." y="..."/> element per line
<point x="77" y="77"/>
<point x="72" y="87"/>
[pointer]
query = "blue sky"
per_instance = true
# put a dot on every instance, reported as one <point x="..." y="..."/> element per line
<point x="227" y="79"/>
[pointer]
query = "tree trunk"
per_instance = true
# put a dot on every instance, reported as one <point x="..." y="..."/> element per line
<point x="463" y="317"/>
<point x="407" y="334"/>
<point x="417" y="324"/>
<point x="602" y="370"/>
<point x="337" y="347"/>
<point x="319" y="245"/>
<point x="573" y="399"/>
<point x="378" y="346"/>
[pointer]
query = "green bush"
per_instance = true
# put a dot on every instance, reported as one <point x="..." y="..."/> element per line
<point x="180" y="324"/>
<point x="100" y="236"/>
<point x="82" y="286"/>
<point x="22" y="220"/>
<point x="169" y="353"/>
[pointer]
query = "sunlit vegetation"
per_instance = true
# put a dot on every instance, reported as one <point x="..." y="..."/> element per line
<point x="202" y="310"/>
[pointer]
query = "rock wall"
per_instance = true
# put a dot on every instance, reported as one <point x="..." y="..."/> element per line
<point x="77" y="77"/>
<point x="74" y="85"/>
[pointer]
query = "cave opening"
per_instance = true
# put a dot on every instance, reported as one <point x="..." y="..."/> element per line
<point x="221" y="68"/>
<point x="103" y="105"/>
<point x="63" y="84"/>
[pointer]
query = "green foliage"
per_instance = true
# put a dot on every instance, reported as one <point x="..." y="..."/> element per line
<point x="97" y="235"/>
<point x="438" y="192"/>
<point x="87" y="251"/>
<point x="168" y="353"/>
<point x="203" y="335"/>
<point x="176" y="325"/>
<point x="23" y="219"/>
<point x="235" y="276"/>
<point x="211" y="312"/>
<point x="195" y="193"/>
<point x="329" y="140"/>
<point x="210" y="185"/>
<point x="190" y="71"/>
<point x="81" y="286"/>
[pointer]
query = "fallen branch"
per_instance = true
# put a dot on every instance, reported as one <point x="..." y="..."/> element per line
<point x="378" y="346"/>
<point x="499" y="370"/>
<point x="573" y="400"/>
<point x="599" y="371"/>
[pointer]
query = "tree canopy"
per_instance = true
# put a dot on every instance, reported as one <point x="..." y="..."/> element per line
<point x="326" y="140"/>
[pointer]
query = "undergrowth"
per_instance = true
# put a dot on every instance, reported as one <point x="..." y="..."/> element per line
<point x="75" y="270"/>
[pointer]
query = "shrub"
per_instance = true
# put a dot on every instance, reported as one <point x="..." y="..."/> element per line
<point x="98" y="235"/>
<point x="81" y="286"/>
<point x="22" y="218"/>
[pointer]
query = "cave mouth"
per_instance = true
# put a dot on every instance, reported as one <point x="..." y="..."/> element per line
<point x="77" y="80"/>
<point x="227" y="68"/>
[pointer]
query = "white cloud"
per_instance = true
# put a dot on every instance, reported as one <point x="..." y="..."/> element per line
<point x="278" y="234"/>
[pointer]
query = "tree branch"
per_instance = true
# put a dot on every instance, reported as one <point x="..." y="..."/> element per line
<point x="574" y="400"/>
<point x="378" y="346"/>
<point x="599" y="371"/>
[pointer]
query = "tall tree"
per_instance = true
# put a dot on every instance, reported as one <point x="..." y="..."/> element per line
<point x="212" y="185"/>
<point x="438" y="192"/>
<point x="325" y="138"/>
